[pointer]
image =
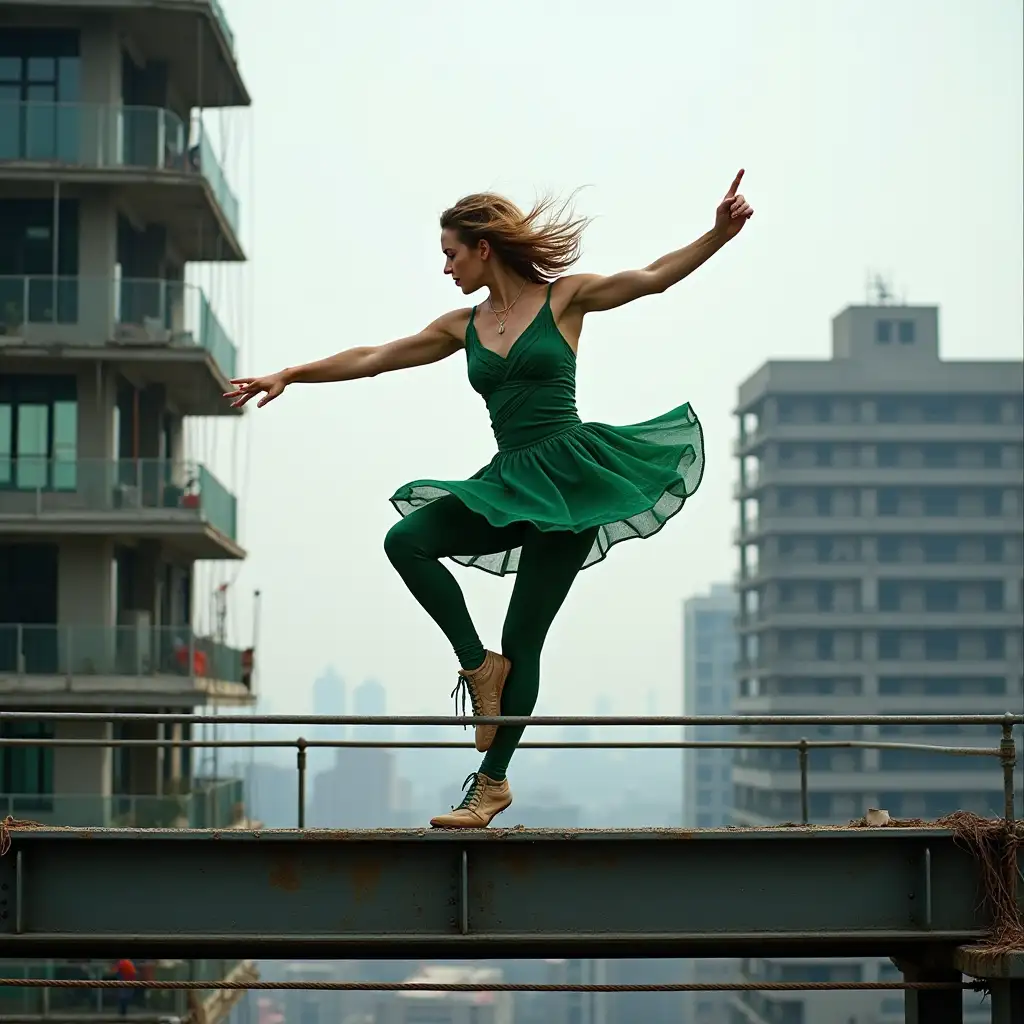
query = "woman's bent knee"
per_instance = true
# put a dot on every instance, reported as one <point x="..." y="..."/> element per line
<point x="401" y="543"/>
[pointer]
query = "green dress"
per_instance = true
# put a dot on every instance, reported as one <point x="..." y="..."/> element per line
<point x="553" y="470"/>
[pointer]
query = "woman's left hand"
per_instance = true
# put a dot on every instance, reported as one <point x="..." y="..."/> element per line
<point x="733" y="211"/>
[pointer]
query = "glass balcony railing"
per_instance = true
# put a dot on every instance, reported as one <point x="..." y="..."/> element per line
<point x="182" y="491"/>
<point x="137" y="652"/>
<point x="105" y="136"/>
<point x="211" y="803"/>
<point x="97" y="311"/>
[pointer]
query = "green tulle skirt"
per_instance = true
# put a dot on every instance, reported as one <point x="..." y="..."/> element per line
<point x="627" y="481"/>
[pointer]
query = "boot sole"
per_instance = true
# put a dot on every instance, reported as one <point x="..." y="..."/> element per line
<point x="484" y="743"/>
<point x="456" y="828"/>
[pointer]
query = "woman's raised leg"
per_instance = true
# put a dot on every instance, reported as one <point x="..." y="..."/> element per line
<point x="415" y="546"/>
<point x="547" y="567"/>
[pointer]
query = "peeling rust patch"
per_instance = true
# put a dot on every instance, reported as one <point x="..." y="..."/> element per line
<point x="365" y="879"/>
<point x="517" y="865"/>
<point x="284" y="874"/>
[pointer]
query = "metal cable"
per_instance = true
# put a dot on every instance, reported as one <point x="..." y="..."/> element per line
<point x="407" y="986"/>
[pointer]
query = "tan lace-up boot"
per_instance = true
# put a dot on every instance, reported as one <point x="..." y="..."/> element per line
<point x="484" y="685"/>
<point x="484" y="799"/>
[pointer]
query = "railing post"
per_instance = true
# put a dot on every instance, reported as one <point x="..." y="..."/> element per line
<point x="300" y="760"/>
<point x="1008" y="758"/>
<point x="26" y="292"/>
<point x="161" y="139"/>
<point x="804" y="809"/>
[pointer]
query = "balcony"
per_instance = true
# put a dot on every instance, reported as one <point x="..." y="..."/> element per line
<point x="193" y="38"/>
<point x="129" y="313"/>
<point x="212" y="803"/>
<point x="222" y="20"/>
<point x="181" y="503"/>
<point x="142" y="149"/>
<point x="903" y="432"/>
<point x="818" y="616"/>
<point x="775" y="475"/>
<point x="808" y="524"/>
<point x="134" y="661"/>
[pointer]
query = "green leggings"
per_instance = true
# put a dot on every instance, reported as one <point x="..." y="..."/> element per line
<point x="547" y="566"/>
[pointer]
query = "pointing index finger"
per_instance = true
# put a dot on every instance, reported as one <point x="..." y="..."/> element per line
<point x="735" y="184"/>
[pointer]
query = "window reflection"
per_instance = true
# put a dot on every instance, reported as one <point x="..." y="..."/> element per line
<point x="40" y="84"/>
<point x="38" y="433"/>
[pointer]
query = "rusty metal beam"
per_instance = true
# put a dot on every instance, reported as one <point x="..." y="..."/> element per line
<point x="411" y="894"/>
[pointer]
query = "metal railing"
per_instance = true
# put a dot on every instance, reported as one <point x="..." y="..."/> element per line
<point x="1005" y="753"/>
<point x="102" y="136"/>
<point x="134" y="652"/>
<point x="210" y="803"/>
<point x="75" y="310"/>
<point x="36" y="485"/>
<point x="159" y="991"/>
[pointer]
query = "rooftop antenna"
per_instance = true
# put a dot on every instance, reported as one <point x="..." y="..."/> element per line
<point x="880" y="290"/>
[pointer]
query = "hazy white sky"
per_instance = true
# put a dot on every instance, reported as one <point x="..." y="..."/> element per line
<point x="880" y="135"/>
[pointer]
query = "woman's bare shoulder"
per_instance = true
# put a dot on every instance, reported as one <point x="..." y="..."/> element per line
<point x="456" y="322"/>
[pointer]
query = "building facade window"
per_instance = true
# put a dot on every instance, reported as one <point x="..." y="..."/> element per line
<point x="38" y="432"/>
<point x="40" y="72"/>
<point x="26" y="773"/>
<point x="38" y="262"/>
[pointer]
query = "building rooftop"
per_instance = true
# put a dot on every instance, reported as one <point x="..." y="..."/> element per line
<point x="879" y="349"/>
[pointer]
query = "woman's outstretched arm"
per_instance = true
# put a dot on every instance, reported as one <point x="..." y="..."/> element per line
<point x="435" y="342"/>
<point x="595" y="292"/>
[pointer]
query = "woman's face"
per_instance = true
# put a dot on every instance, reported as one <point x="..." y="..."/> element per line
<point x="463" y="263"/>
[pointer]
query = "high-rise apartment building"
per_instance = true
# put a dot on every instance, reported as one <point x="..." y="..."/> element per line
<point x="880" y="550"/>
<point x="330" y="695"/>
<point x="109" y="188"/>
<point x="330" y="699"/>
<point x="370" y="699"/>
<point x="709" y="688"/>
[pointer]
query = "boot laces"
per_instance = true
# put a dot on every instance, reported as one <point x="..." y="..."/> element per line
<point x="474" y="794"/>
<point x="464" y="687"/>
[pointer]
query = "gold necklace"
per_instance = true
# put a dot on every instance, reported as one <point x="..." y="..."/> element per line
<point x="502" y="316"/>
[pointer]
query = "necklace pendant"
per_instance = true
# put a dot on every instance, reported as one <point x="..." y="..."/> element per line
<point x="501" y="328"/>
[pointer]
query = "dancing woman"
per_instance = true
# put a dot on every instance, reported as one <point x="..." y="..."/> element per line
<point x="559" y="493"/>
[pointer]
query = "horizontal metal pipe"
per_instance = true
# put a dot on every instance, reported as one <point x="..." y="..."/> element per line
<point x="18" y="946"/>
<point x="21" y="741"/>
<point x="414" y="986"/>
<point x="525" y="720"/>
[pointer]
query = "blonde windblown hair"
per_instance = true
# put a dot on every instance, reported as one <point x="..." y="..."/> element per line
<point x="540" y="245"/>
